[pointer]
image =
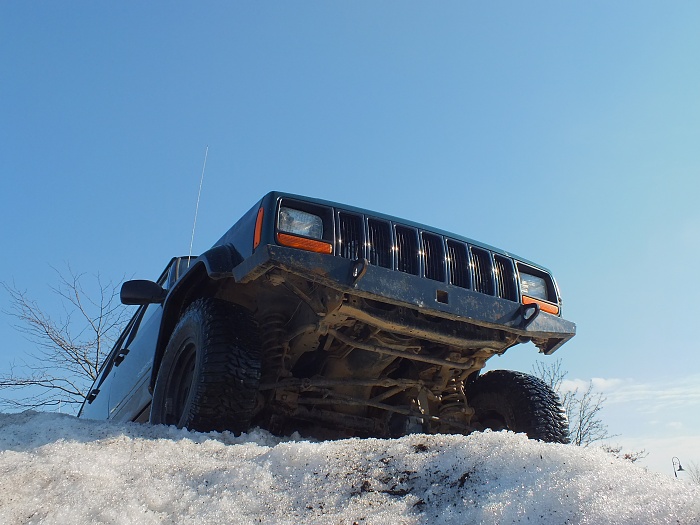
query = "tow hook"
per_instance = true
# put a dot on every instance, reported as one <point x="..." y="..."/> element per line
<point x="359" y="268"/>
<point x="529" y="313"/>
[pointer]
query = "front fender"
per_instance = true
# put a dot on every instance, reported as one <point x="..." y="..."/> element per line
<point x="212" y="265"/>
<point x="220" y="261"/>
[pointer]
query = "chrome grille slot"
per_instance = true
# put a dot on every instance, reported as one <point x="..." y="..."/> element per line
<point x="379" y="243"/>
<point x="433" y="257"/>
<point x="407" y="249"/>
<point x="458" y="263"/>
<point x="482" y="271"/>
<point x="350" y="236"/>
<point x="505" y="277"/>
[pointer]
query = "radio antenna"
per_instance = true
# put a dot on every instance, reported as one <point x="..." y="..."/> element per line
<point x="196" y="210"/>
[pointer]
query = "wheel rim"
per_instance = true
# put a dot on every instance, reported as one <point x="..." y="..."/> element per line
<point x="494" y="421"/>
<point x="180" y="384"/>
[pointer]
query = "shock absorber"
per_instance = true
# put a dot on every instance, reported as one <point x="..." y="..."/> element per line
<point x="453" y="405"/>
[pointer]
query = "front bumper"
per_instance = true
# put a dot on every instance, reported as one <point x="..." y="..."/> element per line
<point x="430" y="297"/>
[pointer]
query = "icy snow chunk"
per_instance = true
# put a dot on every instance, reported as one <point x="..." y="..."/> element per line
<point x="56" y="469"/>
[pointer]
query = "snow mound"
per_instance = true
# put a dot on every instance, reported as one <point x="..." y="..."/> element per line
<point x="56" y="469"/>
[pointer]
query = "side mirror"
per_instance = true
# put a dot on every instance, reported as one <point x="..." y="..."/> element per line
<point x="142" y="292"/>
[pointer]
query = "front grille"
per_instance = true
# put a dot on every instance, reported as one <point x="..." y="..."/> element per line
<point x="481" y="270"/>
<point x="458" y="264"/>
<point x="379" y="243"/>
<point x="350" y="238"/>
<point x="443" y="259"/>
<point x="505" y="277"/>
<point x="433" y="257"/>
<point x="407" y="250"/>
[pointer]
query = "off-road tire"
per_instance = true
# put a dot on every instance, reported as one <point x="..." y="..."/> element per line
<point x="504" y="399"/>
<point x="210" y="373"/>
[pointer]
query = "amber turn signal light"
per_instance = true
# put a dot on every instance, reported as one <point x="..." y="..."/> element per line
<point x="544" y="305"/>
<point x="258" y="228"/>
<point x="303" y="243"/>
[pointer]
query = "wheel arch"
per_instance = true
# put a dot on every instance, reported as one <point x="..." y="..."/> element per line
<point x="198" y="282"/>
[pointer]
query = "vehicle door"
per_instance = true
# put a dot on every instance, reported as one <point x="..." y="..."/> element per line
<point x="131" y="374"/>
<point x="96" y="405"/>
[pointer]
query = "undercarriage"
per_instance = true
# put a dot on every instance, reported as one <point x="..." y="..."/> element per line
<point x="338" y="365"/>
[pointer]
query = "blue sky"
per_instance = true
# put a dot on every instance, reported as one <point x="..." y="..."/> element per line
<point x="564" y="132"/>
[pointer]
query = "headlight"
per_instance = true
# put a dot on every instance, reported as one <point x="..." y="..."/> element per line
<point x="300" y="223"/>
<point x="533" y="286"/>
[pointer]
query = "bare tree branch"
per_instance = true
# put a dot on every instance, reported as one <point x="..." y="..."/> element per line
<point x="693" y="470"/>
<point x="68" y="350"/>
<point x="583" y="411"/>
<point x="582" y="408"/>
<point x="632" y="457"/>
<point x="588" y="427"/>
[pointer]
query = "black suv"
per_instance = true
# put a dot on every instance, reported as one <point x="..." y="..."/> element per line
<point x="334" y="321"/>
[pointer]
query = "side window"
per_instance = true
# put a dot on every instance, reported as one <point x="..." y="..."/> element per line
<point x="164" y="280"/>
<point x="108" y="363"/>
<point x="174" y="271"/>
<point x="182" y="264"/>
<point x="123" y="357"/>
<point x="115" y="356"/>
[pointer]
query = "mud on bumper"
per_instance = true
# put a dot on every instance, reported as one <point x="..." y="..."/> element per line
<point x="432" y="298"/>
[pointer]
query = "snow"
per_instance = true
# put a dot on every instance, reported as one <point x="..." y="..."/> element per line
<point x="56" y="469"/>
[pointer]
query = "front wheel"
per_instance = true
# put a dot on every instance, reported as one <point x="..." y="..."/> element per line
<point x="507" y="400"/>
<point x="210" y="373"/>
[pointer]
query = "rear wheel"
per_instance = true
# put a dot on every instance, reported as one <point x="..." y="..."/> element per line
<point x="210" y="373"/>
<point x="507" y="400"/>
